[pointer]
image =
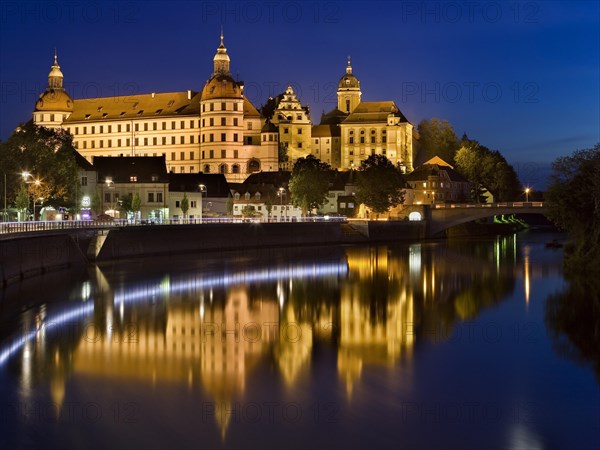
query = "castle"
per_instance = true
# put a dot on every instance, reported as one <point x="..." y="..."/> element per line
<point x="218" y="130"/>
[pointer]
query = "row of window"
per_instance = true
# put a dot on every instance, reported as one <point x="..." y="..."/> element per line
<point x="114" y="197"/>
<point x="362" y="152"/>
<point x="326" y="140"/>
<point x="253" y="166"/>
<point x="224" y="106"/>
<point x="286" y="130"/>
<point x="211" y="154"/>
<point x="120" y="128"/>
<point x="372" y="140"/>
<point x="127" y="142"/>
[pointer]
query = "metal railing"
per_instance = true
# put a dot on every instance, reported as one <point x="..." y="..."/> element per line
<point x="26" y="227"/>
<point x="489" y="205"/>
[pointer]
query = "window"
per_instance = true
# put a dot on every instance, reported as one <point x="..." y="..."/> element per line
<point x="223" y="108"/>
<point x="176" y="203"/>
<point x="299" y="144"/>
<point x="223" y="168"/>
<point x="206" y="168"/>
<point x="145" y="141"/>
<point x="101" y="143"/>
<point x="154" y="178"/>
<point x="150" y="197"/>
<point x="145" y="127"/>
<point x="107" y="197"/>
<point x="352" y="139"/>
<point x="84" y="181"/>
<point x="164" y="141"/>
<point x="372" y="139"/>
<point x="164" y="125"/>
<point x="223" y="137"/>
<point x="235" y="153"/>
<point x="128" y="142"/>
<point x="299" y="130"/>
<point x="154" y="126"/>
<point x="249" y="125"/>
<point x="203" y="137"/>
<point x="362" y="139"/>
<point x="191" y="124"/>
<point x="182" y="123"/>
<point x="247" y="195"/>
<point x="235" y="137"/>
<point x="223" y="121"/>
<point x="285" y="131"/>
<point x="257" y="196"/>
<point x="202" y="154"/>
<point x="192" y="156"/>
<point x="182" y="155"/>
<point x="128" y="127"/>
<point x="223" y="153"/>
<point x="211" y="137"/>
<point x="182" y="169"/>
<point x="133" y="178"/>
<point x="211" y="154"/>
<point x="154" y="141"/>
<point x="235" y="168"/>
<point x="173" y="156"/>
<point x="298" y="116"/>
<point x="384" y="138"/>
<point x="172" y="140"/>
<point x="136" y="127"/>
<point x="93" y="129"/>
<point x="235" y="106"/>
<point x="212" y="106"/>
<point x="235" y="122"/>
<point x="193" y="204"/>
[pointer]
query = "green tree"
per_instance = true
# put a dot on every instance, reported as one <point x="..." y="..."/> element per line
<point x="269" y="206"/>
<point x="48" y="155"/>
<point x="573" y="202"/>
<point x="248" y="211"/>
<point x="229" y="205"/>
<point x="380" y="184"/>
<point x="22" y="199"/>
<point x="136" y="203"/>
<point x="96" y="203"/>
<point x="486" y="169"/>
<point x="309" y="183"/>
<point x="126" y="204"/>
<point x="184" y="205"/>
<point x="436" y="138"/>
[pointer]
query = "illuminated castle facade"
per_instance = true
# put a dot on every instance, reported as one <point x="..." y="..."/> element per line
<point x="218" y="130"/>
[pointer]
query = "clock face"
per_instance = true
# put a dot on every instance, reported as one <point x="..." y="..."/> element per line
<point x="85" y="201"/>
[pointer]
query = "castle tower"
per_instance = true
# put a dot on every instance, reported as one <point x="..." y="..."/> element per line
<point x="348" y="92"/>
<point x="54" y="105"/>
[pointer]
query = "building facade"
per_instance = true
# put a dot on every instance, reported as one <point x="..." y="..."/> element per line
<point x="216" y="130"/>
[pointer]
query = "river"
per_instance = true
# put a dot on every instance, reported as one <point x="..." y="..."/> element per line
<point x="441" y="344"/>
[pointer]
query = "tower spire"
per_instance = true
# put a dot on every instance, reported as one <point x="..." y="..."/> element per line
<point x="348" y="67"/>
<point x="221" y="59"/>
<point x="55" y="77"/>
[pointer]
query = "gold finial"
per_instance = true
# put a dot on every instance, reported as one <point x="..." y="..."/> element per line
<point x="348" y="67"/>
<point x="348" y="59"/>
<point x="55" y="57"/>
<point x="222" y="35"/>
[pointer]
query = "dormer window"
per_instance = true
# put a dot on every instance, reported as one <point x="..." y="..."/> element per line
<point x="122" y="113"/>
<point x="155" y="178"/>
<point x="135" y="105"/>
<point x="87" y="116"/>
<point x="105" y="115"/>
<point x="158" y="111"/>
<point x="236" y="196"/>
<point x="171" y="103"/>
<point x="140" y="112"/>
<point x="247" y="195"/>
<point x="257" y="196"/>
<point x="133" y="178"/>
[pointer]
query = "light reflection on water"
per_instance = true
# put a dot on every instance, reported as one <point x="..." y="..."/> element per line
<point x="252" y="349"/>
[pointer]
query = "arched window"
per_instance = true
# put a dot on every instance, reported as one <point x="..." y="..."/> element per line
<point x="253" y="165"/>
<point x="223" y="168"/>
<point x="236" y="196"/>
<point x="257" y="196"/>
<point x="235" y="168"/>
<point x="206" y="168"/>
<point x="247" y="195"/>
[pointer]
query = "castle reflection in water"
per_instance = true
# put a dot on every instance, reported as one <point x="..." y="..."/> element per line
<point x="213" y="327"/>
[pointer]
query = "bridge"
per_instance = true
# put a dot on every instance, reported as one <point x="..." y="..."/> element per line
<point x="443" y="216"/>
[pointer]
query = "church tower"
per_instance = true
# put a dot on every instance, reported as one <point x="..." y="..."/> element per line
<point x="348" y="92"/>
<point x="54" y="105"/>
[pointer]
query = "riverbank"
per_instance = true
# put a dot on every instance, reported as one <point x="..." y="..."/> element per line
<point x="31" y="254"/>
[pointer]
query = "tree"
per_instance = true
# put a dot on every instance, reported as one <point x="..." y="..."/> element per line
<point x="136" y="203"/>
<point x="269" y="206"/>
<point x="486" y="169"/>
<point x="48" y="155"/>
<point x="184" y="205"/>
<point x="573" y="202"/>
<point x="380" y="184"/>
<point x="248" y="211"/>
<point x="436" y="138"/>
<point x="229" y="205"/>
<point x="309" y="183"/>
<point x="22" y="199"/>
<point x="96" y="203"/>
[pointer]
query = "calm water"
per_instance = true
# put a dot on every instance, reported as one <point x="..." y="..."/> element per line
<point x="432" y="345"/>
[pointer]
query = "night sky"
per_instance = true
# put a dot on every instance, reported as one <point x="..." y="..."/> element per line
<point x="520" y="77"/>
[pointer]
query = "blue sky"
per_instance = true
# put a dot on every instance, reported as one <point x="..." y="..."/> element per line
<point x="520" y="77"/>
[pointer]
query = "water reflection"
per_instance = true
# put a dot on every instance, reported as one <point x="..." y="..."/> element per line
<point x="211" y="325"/>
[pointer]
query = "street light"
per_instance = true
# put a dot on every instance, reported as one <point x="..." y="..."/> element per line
<point x="281" y="193"/>
<point x="202" y="190"/>
<point x="26" y="175"/>
<point x="527" y="190"/>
